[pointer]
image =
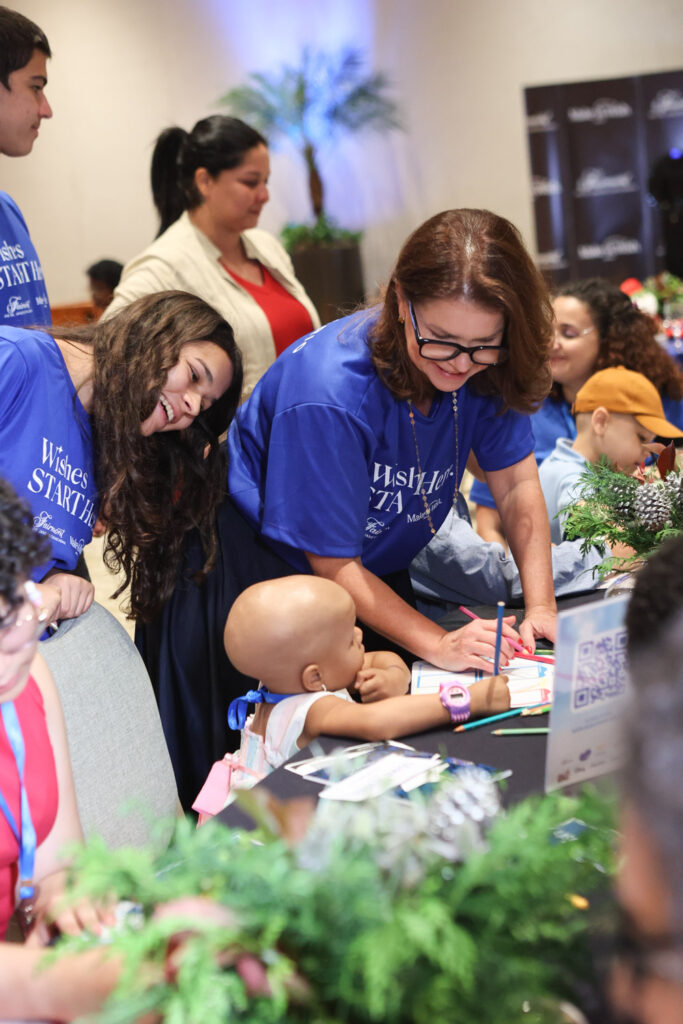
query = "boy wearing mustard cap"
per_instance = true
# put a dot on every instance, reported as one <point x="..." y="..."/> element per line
<point x="618" y="414"/>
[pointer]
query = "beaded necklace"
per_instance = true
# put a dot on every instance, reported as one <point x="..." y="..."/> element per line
<point x="454" y="399"/>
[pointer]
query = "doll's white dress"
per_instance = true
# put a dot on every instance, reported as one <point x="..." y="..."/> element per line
<point x="258" y="755"/>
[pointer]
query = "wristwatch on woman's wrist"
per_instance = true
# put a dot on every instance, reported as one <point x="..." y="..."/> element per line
<point x="456" y="700"/>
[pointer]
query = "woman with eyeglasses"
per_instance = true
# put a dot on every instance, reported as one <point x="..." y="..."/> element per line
<point x="348" y="455"/>
<point x="38" y="813"/>
<point x="596" y="326"/>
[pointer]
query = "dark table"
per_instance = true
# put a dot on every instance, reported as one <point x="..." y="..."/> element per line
<point x="523" y="755"/>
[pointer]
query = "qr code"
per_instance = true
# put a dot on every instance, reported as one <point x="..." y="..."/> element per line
<point x="599" y="670"/>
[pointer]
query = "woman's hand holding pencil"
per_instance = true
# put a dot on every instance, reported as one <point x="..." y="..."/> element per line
<point x="523" y="652"/>
<point x="472" y="645"/>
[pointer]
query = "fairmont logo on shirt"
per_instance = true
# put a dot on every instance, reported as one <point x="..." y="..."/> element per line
<point x="17" y="307"/>
<point x="43" y="524"/>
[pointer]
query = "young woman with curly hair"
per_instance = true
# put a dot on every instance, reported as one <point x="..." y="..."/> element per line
<point x="125" y="413"/>
<point x="596" y="326"/>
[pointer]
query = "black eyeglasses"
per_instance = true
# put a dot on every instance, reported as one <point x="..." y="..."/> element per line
<point x="441" y="351"/>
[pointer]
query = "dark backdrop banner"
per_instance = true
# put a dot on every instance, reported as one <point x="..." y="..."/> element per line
<point x="606" y="171"/>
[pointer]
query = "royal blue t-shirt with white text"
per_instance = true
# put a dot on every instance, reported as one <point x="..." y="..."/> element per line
<point x="46" y="449"/>
<point x="323" y="457"/>
<point x="23" y="296"/>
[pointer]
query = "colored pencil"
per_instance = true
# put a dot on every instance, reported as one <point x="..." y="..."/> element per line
<point x="494" y="718"/>
<point x="535" y="657"/>
<point x="521" y="732"/>
<point x="499" y="637"/>
<point x="537" y="710"/>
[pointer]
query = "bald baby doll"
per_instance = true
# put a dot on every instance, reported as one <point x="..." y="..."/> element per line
<point x="298" y="636"/>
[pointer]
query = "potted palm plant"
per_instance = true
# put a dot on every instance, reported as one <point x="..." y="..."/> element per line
<point x="312" y="105"/>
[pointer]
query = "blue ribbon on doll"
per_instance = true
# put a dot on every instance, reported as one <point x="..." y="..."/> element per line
<point x="26" y="835"/>
<point x="239" y="707"/>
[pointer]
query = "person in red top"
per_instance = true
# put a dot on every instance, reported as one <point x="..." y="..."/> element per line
<point x="38" y="812"/>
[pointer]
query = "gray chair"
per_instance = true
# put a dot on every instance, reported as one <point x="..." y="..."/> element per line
<point x="124" y="780"/>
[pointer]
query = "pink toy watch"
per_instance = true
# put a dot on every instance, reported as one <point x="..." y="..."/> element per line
<point x="456" y="700"/>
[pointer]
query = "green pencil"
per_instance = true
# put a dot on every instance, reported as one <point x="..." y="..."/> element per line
<point x="520" y="732"/>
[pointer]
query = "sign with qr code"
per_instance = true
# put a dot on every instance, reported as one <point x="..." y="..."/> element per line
<point x="591" y="693"/>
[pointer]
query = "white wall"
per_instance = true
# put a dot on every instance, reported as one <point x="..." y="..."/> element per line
<point x="123" y="71"/>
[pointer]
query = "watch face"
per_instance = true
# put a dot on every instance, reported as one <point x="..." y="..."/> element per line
<point x="458" y="697"/>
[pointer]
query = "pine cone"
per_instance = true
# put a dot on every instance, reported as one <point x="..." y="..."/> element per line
<point x="652" y="506"/>
<point x="621" y="494"/>
<point x="673" y="483"/>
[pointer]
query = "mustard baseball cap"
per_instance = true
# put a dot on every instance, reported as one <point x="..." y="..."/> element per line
<point x="620" y="390"/>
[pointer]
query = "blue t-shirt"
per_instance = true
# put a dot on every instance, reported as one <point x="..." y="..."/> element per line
<point x="323" y="458"/>
<point x="46" y="443"/>
<point x="23" y="298"/>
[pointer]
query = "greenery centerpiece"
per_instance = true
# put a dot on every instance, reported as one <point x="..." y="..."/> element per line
<point x="640" y="511"/>
<point x="312" y="104"/>
<point x="436" y="907"/>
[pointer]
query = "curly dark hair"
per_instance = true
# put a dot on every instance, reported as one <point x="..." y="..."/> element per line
<point x="21" y="549"/>
<point x="478" y="256"/>
<point x="152" y="490"/>
<point x="627" y="336"/>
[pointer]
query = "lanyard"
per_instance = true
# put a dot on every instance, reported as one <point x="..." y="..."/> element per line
<point x="26" y="837"/>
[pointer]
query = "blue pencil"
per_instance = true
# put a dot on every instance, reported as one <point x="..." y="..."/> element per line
<point x="494" y="718"/>
<point x="499" y="637"/>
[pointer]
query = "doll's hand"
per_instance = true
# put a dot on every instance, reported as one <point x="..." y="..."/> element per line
<point x="469" y="646"/>
<point x="489" y="696"/>
<point x="76" y="594"/>
<point x="378" y="683"/>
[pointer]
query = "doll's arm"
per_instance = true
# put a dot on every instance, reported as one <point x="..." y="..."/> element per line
<point x="398" y="716"/>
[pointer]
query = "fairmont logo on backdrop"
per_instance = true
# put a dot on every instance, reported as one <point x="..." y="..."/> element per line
<point x="543" y="121"/>
<point x="667" y="103"/>
<point x="552" y="259"/>
<point x="595" y="182"/>
<point x="599" y="112"/>
<point x="610" y="249"/>
<point x="541" y="186"/>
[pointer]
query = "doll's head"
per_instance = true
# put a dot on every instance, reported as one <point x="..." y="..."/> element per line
<point x="296" y="634"/>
